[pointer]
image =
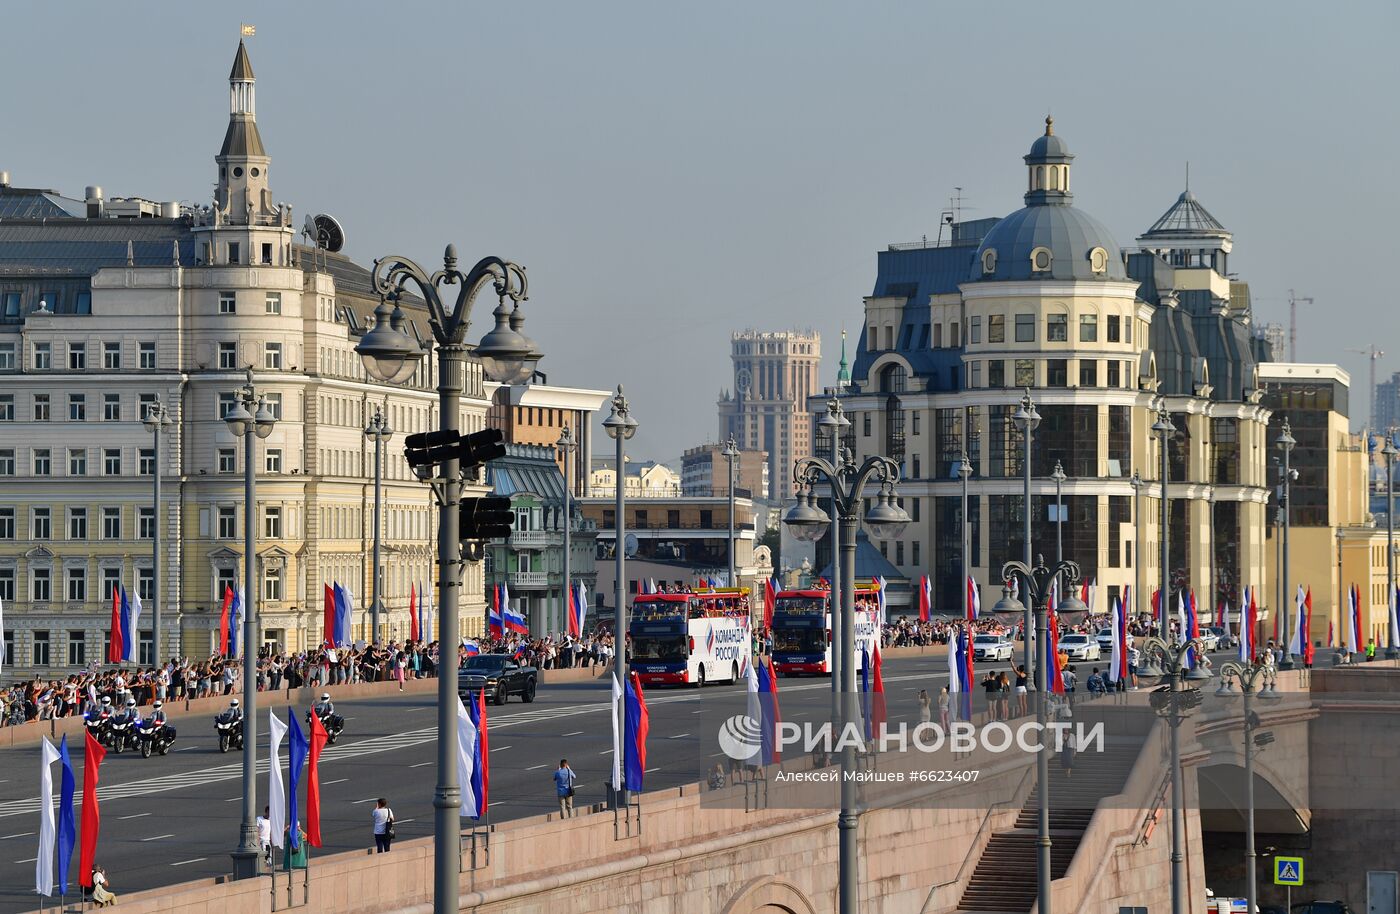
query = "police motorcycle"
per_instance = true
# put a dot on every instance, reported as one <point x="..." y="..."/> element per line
<point x="122" y="727"/>
<point x="98" y="722"/>
<point x="154" y="734"/>
<point x="229" y="727"/>
<point x="332" y="721"/>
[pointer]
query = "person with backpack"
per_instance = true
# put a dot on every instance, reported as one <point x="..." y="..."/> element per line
<point x="383" y="818"/>
<point x="564" y="779"/>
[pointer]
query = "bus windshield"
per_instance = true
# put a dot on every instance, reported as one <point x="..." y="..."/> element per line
<point x="795" y="608"/>
<point x="658" y="611"/>
<point x="799" y="640"/>
<point x="659" y="647"/>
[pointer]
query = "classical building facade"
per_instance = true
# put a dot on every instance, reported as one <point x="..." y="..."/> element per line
<point x="705" y="471"/>
<point x="110" y="307"/>
<point x="774" y="374"/>
<point x="537" y="413"/>
<point x="1044" y="300"/>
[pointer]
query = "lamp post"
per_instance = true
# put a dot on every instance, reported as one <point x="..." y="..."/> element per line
<point x="1137" y="483"/>
<point x="567" y="445"/>
<point x="965" y="473"/>
<point x="1027" y="419"/>
<point x="157" y="419"/>
<point x="249" y="419"/>
<point x="1058" y="474"/>
<point x="731" y="450"/>
<point x="620" y="426"/>
<point x="1252" y="677"/>
<point x="1164" y="428"/>
<point x="1036" y="583"/>
<point x="1174" y="702"/>
<point x="377" y="431"/>
<point x="1285" y="442"/>
<point x="391" y="355"/>
<point x="885" y="520"/>
<point x="834" y="423"/>
<point x="1391" y="651"/>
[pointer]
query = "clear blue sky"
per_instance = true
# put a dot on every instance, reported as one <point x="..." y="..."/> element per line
<point x="670" y="172"/>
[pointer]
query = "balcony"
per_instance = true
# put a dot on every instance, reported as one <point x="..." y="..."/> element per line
<point x="534" y="539"/>
<point x="529" y="580"/>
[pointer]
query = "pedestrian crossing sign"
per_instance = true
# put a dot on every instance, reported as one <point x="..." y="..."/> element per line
<point x="1288" y="871"/>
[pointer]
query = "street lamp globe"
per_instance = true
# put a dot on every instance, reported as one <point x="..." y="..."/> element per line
<point x="807" y="521"/>
<point x="156" y="418"/>
<point x="1008" y="603"/>
<point x="885" y="520"/>
<point x="378" y="428"/>
<point x="620" y="422"/>
<point x="1026" y="416"/>
<point x="1058" y="475"/>
<point x="731" y="450"/>
<point x="507" y="356"/>
<point x="389" y="353"/>
<point x="239" y="420"/>
<point x="263" y="419"/>
<point x="1285" y="438"/>
<point x="1071" y="604"/>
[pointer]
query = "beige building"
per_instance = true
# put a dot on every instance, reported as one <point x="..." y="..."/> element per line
<point x="774" y="374"/>
<point x="705" y="471"/>
<point x="111" y="306"/>
<point x="646" y="480"/>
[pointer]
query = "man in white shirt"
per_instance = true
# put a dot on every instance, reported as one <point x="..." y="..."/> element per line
<point x="265" y="835"/>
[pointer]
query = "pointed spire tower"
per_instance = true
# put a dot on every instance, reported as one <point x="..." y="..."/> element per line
<point x="843" y="374"/>
<point x="243" y="196"/>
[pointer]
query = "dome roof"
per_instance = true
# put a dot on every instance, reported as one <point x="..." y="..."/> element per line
<point x="1048" y="148"/>
<point x="1188" y="218"/>
<point x="1070" y="235"/>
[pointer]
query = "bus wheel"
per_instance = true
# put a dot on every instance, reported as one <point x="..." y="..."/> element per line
<point x="700" y="679"/>
<point x="734" y="673"/>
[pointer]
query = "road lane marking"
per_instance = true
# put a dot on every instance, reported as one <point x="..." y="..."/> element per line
<point x="575" y="733"/>
<point x="650" y="770"/>
<point x="606" y="752"/>
<point x="403" y="821"/>
<point x="157" y="837"/>
<point x="701" y="711"/>
<point x="187" y="749"/>
<point x="358" y="802"/>
<point x="233" y="799"/>
<point x="501" y="748"/>
<point x="139" y="815"/>
<point x="679" y="736"/>
<point x="336" y="781"/>
<point x="23" y="834"/>
<point x="531" y="768"/>
<point x="195" y="860"/>
<point x="420" y="764"/>
<point x="30" y="860"/>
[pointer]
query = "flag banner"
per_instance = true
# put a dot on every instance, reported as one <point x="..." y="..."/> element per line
<point x="635" y="745"/>
<point x="222" y="638"/>
<point x="413" y="633"/>
<point x="770" y="600"/>
<point x="134" y="648"/>
<point x="235" y="619"/>
<point x="276" y="790"/>
<point x="617" y="714"/>
<point x="328" y="615"/>
<point x="466" y="759"/>
<point x="974" y="599"/>
<point x="925" y="598"/>
<point x="67" y="825"/>
<point x="248" y="31"/>
<point x="93" y="754"/>
<point x="878" y="711"/>
<point x="296" y="758"/>
<point x="126" y="627"/>
<point x="1306" y="628"/>
<point x="43" y="864"/>
<point x="1393" y="641"/>
<point x="472" y="648"/>
<point x="515" y="621"/>
<point x="882" y="598"/>
<point x="1118" y="654"/>
<point x="319" y="738"/>
<point x="2" y="636"/>
<point x="114" y="643"/>
<point x="1299" y="636"/>
<point x="481" y="759"/>
<point x="772" y="715"/>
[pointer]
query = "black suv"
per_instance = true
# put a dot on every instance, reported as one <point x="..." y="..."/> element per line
<point x="499" y="675"/>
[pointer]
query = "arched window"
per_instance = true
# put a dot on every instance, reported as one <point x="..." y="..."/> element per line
<point x="1041" y="260"/>
<point x="893" y="379"/>
<point x="1098" y="260"/>
<point x="989" y="261"/>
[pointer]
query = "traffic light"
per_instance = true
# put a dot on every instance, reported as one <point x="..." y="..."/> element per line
<point x="428" y="449"/>
<point x="479" y="447"/>
<point x="488" y="518"/>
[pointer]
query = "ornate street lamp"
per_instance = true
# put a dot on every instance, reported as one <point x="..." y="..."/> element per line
<point x="620" y="427"/>
<point x="378" y="431"/>
<point x="731" y="451"/>
<point x="1164" y="428"/>
<point x="1027" y="420"/>
<point x="567" y="445"/>
<point x="157" y="420"/>
<point x="1285" y="443"/>
<point x="1253" y="678"/>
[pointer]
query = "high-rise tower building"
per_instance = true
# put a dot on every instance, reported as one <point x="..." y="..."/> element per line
<point x="774" y="374"/>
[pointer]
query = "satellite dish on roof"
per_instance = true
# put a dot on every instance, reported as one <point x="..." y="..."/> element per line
<point x="629" y="547"/>
<point x="326" y="232"/>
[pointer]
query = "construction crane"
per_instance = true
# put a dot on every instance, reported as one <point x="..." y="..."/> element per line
<point x="1373" y="354"/>
<point x="1293" y="302"/>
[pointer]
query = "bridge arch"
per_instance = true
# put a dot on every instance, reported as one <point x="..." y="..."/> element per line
<point x="767" y="895"/>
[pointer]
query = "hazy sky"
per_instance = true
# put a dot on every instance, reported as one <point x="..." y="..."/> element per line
<point x="671" y="172"/>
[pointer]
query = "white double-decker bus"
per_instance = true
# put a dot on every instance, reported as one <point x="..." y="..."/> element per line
<point x="802" y="630"/>
<point x="690" y="638"/>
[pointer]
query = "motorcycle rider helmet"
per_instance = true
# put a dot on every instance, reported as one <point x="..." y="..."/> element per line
<point x="131" y="702"/>
<point x="158" y="705"/>
<point x="106" y="699"/>
<point x="233" y="704"/>
<point x="325" y="696"/>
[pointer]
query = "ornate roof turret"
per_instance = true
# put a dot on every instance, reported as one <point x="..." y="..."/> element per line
<point x="843" y="375"/>
<point x="1187" y="218"/>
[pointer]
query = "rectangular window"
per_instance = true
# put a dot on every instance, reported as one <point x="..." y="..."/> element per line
<point x="865" y="425"/>
<point x="272" y="356"/>
<point x="272" y="523"/>
<point x="227" y="401"/>
<point x="899" y="552"/>
<point x="975" y="376"/>
<point x="48" y="300"/>
<point x="146" y="523"/>
<point x="39" y="524"/>
<point x="145" y="402"/>
<point x="111" y="355"/>
<point x="147" y="352"/>
<point x="937" y="336"/>
<point x="228" y="355"/>
<point x="41" y="584"/>
<point x="111" y="581"/>
<point x="111" y="523"/>
<point x="1025" y="328"/>
<point x="1127" y="329"/>
<point x="12" y="304"/>
<point x="227" y="460"/>
<point x="273" y="460"/>
<point x="1088" y="328"/>
<point x="235" y="253"/>
<point x="77" y="523"/>
<point x="272" y="585"/>
<point x="146" y="461"/>
<point x="1056" y="328"/>
<point x="914" y="422"/>
<point x="267" y="253"/>
<point x="146" y="586"/>
<point x="77" y="356"/>
<point x="273" y="303"/>
<point x="1088" y="373"/>
<point x="974" y="329"/>
<point x="228" y="303"/>
<point x="77" y="407"/>
<point x="41" y="642"/>
<point x="77" y="648"/>
<point x="111" y="407"/>
<point x="274" y="405"/>
<point x="996" y="328"/>
<point x="996" y="373"/>
<point x="1025" y="372"/>
<point x="1056" y="372"/>
<point x="77" y="462"/>
<point x="77" y="585"/>
<point x="7" y="408"/>
<point x="82" y="304"/>
<point x="1115" y="377"/>
<point x="7" y="523"/>
<point x="228" y="522"/>
<point x="111" y="461"/>
<point x="1111" y="331"/>
<point x="7" y="593"/>
<point x="7" y="356"/>
<point x="7" y="462"/>
<point x="41" y="407"/>
<point x="43" y="356"/>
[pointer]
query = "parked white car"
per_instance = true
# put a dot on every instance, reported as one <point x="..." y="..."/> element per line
<point x="1105" y="639"/>
<point x="991" y="647"/>
<point x="1080" y="647"/>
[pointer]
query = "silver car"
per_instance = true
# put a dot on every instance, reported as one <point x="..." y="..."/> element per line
<point x="1080" y="647"/>
<point x="991" y="647"/>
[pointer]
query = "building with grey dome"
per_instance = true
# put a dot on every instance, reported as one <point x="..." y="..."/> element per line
<point x="1045" y="300"/>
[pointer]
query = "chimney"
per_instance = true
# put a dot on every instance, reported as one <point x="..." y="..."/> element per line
<point x="93" y="196"/>
<point x="4" y="179"/>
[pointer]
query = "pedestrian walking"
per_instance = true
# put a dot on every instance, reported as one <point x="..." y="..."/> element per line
<point x="1004" y="695"/>
<point x="564" y="779"/>
<point x="943" y="701"/>
<point x="400" y="663"/>
<point x="383" y="818"/>
<point x="925" y="707"/>
<point x="1021" y="680"/>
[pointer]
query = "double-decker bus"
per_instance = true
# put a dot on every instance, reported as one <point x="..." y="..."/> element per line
<point x="690" y="638"/>
<point x="802" y="629"/>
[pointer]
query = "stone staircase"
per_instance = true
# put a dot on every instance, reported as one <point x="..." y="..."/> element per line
<point x="1004" y="880"/>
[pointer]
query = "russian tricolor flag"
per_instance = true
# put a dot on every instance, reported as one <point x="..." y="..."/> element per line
<point x="514" y="620"/>
<point x="634" y="750"/>
<point x="925" y="598"/>
<point x="413" y="632"/>
<point x="578" y="610"/>
<point x="974" y="599"/>
<point x="471" y="648"/>
<point x="495" y="625"/>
